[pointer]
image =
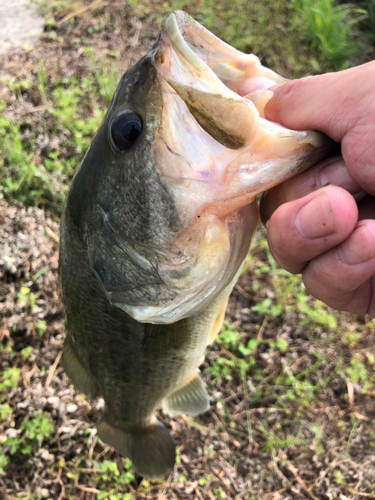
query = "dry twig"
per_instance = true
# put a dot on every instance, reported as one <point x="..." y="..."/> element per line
<point x="300" y="481"/>
<point x="79" y="12"/>
<point x="62" y="493"/>
<point x="53" y="369"/>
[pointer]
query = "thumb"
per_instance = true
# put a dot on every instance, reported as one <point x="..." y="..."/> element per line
<point x="331" y="103"/>
<point x="342" y="105"/>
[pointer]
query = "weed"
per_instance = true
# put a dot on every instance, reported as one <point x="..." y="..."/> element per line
<point x="339" y="477"/>
<point x="20" y="176"/>
<point x="8" y="379"/>
<point x="280" y="344"/>
<point x="219" y="494"/>
<point x="75" y="116"/>
<point x="248" y="418"/>
<point x="248" y="349"/>
<point x="266" y="308"/>
<point x="40" y="326"/>
<point x="228" y="337"/>
<point x="290" y="295"/>
<point x="352" y="433"/>
<point x="313" y="312"/>
<point x="30" y="434"/>
<point x="26" y="352"/>
<point x="331" y="29"/>
<point x="319" y="448"/>
<point x="239" y="358"/>
<point x="369" y="21"/>
<point x="111" y="482"/>
<point x="204" y="480"/>
<point x="4" y="462"/>
<point x="274" y="443"/>
<point x="351" y="338"/>
<point x="370" y="358"/>
<point x="41" y="272"/>
<point x="356" y="371"/>
<point x="222" y="368"/>
<point x="208" y="449"/>
<point x="26" y="298"/>
<point x="5" y="412"/>
<point x="7" y="348"/>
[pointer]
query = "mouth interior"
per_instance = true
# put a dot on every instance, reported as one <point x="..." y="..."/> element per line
<point x="197" y="58"/>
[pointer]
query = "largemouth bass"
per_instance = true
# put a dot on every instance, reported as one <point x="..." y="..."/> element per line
<point x="156" y="225"/>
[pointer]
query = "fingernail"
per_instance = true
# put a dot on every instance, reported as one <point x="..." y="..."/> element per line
<point x="315" y="220"/>
<point x="336" y="173"/>
<point x="358" y="248"/>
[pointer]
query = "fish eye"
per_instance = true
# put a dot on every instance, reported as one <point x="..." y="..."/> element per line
<point x="125" y="130"/>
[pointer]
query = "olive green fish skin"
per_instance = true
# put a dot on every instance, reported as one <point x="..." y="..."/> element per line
<point x="117" y="206"/>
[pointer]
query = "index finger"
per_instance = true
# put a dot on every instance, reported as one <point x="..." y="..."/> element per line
<point x="332" y="103"/>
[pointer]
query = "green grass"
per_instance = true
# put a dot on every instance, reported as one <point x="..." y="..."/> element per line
<point x="296" y="391"/>
<point x="29" y="437"/>
<point x="71" y="117"/>
<point x="290" y="295"/>
<point x="332" y="30"/>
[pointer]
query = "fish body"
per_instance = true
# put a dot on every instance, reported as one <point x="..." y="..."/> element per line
<point x="156" y="225"/>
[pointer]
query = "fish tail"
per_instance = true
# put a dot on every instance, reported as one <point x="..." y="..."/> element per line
<point x="82" y="379"/>
<point x="151" y="449"/>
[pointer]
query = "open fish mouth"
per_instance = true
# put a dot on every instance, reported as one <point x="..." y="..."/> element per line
<point x="213" y="152"/>
<point x="208" y="75"/>
<point x="223" y="137"/>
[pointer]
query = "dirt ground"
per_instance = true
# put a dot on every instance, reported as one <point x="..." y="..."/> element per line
<point x="254" y="443"/>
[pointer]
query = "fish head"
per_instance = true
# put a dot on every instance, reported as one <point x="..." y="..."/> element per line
<point x="164" y="198"/>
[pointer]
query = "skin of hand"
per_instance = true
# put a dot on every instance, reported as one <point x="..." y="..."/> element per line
<point x="327" y="233"/>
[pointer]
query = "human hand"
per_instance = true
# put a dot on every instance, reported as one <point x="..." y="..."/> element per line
<point x="328" y="234"/>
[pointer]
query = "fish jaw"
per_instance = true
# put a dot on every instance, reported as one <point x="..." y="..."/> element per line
<point x="241" y="153"/>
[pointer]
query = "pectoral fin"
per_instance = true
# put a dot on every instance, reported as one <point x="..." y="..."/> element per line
<point x="218" y="323"/>
<point x="190" y="399"/>
<point x="82" y="379"/>
<point x="151" y="449"/>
